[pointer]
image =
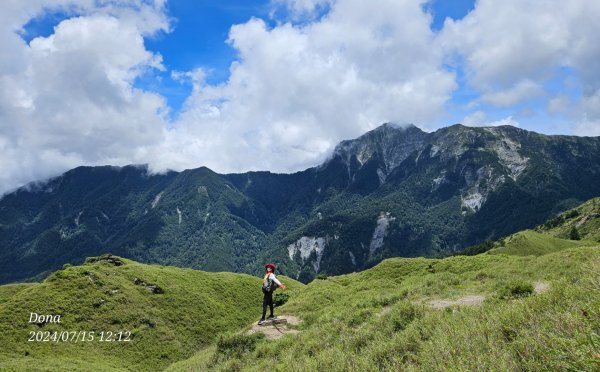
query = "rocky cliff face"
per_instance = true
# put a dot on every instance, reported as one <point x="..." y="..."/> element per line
<point x="395" y="191"/>
<point x="389" y="145"/>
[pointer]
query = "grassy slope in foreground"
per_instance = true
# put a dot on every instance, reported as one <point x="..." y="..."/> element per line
<point x="381" y="318"/>
<point x="99" y="296"/>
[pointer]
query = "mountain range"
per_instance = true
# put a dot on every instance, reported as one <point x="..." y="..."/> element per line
<point x="395" y="191"/>
<point x="530" y="302"/>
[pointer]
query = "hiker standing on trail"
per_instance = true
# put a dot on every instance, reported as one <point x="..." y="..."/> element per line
<point x="270" y="284"/>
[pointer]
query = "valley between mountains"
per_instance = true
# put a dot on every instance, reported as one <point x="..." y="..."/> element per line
<point x="528" y="301"/>
<point x="396" y="191"/>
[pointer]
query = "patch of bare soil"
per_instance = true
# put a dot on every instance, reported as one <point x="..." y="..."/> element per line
<point x="472" y="300"/>
<point x="541" y="287"/>
<point x="384" y="311"/>
<point x="277" y="328"/>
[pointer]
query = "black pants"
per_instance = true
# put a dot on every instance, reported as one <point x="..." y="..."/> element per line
<point x="267" y="300"/>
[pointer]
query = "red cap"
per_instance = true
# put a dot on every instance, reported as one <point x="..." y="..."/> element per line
<point x="272" y="265"/>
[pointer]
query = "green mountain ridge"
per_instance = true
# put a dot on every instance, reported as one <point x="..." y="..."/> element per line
<point x="537" y="308"/>
<point x="540" y="310"/>
<point x="583" y="222"/>
<point x="169" y="311"/>
<point x="393" y="192"/>
<point x="577" y="227"/>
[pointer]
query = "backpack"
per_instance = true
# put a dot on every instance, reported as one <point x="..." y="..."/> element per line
<point x="269" y="285"/>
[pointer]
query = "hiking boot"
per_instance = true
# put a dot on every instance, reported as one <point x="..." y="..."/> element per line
<point x="261" y="322"/>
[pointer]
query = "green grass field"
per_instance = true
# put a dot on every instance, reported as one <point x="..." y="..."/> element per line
<point x="381" y="318"/>
<point x="7" y="291"/>
<point x="534" y="243"/>
<point x="531" y="303"/>
<point x="195" y="307"/>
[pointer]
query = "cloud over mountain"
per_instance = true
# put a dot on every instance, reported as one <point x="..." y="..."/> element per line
<point x="316" y="72"/>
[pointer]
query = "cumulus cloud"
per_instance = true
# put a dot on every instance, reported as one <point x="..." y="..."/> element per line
<point x="298" y="89"/>
<point x="480" y="119"/>
<point x="302" y="9"/>
<point x="590" y="104"/>
<point x="295" y="90"/>
<point x="587" y="128"/>
<point x="323" y="71"/>
<point x="475" y="119"/>
<point x="68" y="99"/>
<point x="589" y="123"/>
<point x="506" y="121"/>
<point x="509" y="49"/>
<point x="522" y="91"/>
<point x="558" y="104"/>
<point x="503" y="43"/>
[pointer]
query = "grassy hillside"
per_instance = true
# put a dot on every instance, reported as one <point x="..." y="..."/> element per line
<point x="533" y="243"/>
<point x="9" y="290"/>
<point x="577" y="227"/>
<point x="170" y="312"/>
<point x="383" y="318"/>
<point x="530" y="303"/>
<point x="582" y="222"/>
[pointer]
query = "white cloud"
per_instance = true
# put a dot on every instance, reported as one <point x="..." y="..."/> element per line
<point x="303" y="9"/>
<point x="68" y="99"/>
<point x="587" y="115"/>
<point x="299" y="89"/>
<point x="559" y="104"/>
<point x="590" y="105"/>
<point x="587" y="128"/>
<point x="505" y="42"/>
<point x="506" y="121"/>
<point x="475" y="119"/>
<point x="296" y="89"/>
<point x="508" y="49"/>
<point x="480" y="119"/>
<point x="522" y="91"/>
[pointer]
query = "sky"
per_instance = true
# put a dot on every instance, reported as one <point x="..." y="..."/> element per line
<point x="274" y="85"/>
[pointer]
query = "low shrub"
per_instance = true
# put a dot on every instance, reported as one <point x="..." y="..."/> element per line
<point x="321" y="276"/>
<point x="280" y="299"/>
<point x="237" y="344"/>
<point x="516" y="289"/>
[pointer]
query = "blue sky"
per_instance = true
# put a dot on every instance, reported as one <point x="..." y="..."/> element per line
<point x="275" y="84"/>
<point x="198" y="40"/>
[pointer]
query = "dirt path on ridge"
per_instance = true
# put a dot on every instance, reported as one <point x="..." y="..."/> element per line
<point x="277" y="329"/>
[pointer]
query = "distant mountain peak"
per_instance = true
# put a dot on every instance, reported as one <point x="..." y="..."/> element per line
<point x="396" y="190"/>
<point x="393" y="125"/>
<point x="390" y="144"/>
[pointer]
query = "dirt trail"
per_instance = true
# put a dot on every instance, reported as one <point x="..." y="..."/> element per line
<point x="276" y="329"/>
<point x="473" y="300"/>
<point x="476" y="300"/>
